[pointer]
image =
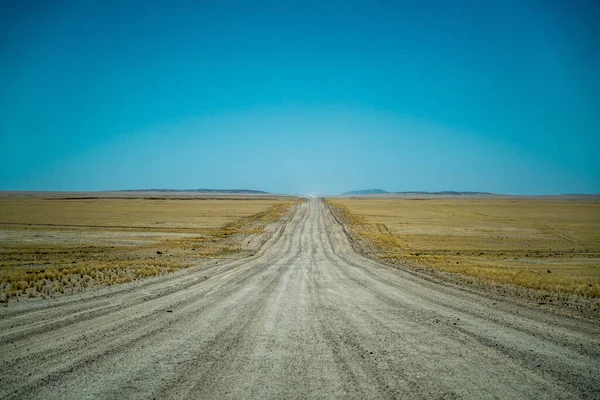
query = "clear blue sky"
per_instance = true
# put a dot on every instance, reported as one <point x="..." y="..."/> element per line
<point x="301" y="97"/>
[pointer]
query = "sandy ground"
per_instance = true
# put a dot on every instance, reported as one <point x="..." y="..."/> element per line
<point x="306" y="316"/>
<point x="547" y="244"/>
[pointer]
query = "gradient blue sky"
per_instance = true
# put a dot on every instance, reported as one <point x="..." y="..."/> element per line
<point x="301" y="97"/>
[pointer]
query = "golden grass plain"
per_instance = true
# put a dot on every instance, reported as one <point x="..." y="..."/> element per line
<point x="540" y="243"/>
<point x="51" y="245"/>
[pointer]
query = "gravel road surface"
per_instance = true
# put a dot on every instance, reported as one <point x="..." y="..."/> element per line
<point x="304" y="317"/>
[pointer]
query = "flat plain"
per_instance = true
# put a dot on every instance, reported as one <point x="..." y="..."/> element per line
<point x="296" y="313"/>
<point x="540" y="243"/>
<point x="52" y="243"/>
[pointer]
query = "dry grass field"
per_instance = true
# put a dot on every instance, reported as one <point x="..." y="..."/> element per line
<point x="547" y="244"/>
<point x="51" y="245"/>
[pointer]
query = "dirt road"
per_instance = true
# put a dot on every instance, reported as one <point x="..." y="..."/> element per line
<point x="305" y="316"/>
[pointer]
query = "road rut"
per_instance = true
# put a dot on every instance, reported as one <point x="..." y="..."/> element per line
<point x="306" y="316"/>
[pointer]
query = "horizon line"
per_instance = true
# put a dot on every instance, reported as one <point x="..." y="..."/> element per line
<point x="347" y="193"/>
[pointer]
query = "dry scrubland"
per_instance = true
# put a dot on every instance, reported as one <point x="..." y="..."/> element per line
<point x="54" y="245"/>
<point x="305" y="317"/>
<point x="547" y="244"/>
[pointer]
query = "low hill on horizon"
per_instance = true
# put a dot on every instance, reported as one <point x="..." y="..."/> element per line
<point x="381" y="191"/>
<point x="366" y="191"/>
<point x="445" y="192"/>
<point x="228" y="191"/>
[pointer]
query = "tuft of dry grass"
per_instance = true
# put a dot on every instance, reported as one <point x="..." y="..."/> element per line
<point x="52" y="246"/>
<point x="546" y="244"/>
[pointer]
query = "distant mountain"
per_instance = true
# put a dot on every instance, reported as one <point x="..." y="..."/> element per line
<point x="447" y="192"/>
<point x="229" y="191"/>
<point x="442" y="193"/>
<point x="367" y="191"/>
